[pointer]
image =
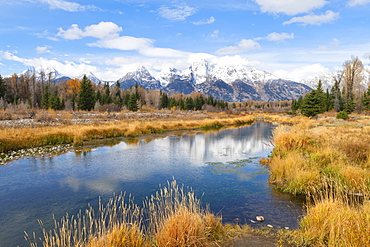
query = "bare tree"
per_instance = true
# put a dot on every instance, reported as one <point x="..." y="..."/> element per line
<point x="352" y="82"/>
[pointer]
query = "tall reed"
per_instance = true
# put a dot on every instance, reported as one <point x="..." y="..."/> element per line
<point x="330" y="165"/>
<point x="171" y="217"/>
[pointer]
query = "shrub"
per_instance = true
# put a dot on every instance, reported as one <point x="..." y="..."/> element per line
<point x="342" y="115"/>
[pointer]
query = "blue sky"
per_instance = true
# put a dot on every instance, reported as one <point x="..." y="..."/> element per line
<point x="292" y="39"/>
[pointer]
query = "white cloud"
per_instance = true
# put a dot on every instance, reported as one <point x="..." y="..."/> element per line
<point x="67" y="6"/>
<point x="213" y="35"/>
<point x="279" y="36"/>
<point x="333" y="43"/>
<point x="177" y="13"/>
<point x="243" y="46"/>
<point x="66" y="68"/>
<point x="300" y="73"/>
<point x="123" y="43"/>
<point x="205" y="22"/>
<point x="163" y="52"/>
<point x="100" y="31"/>
<point x="312" y="19"/>
<point x="108" y="37"/>
<point x="290" y="7"/>
<point x="42" y="49"/>
<point x="358" y="2"/>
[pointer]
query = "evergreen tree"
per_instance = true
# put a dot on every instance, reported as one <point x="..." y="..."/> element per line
<point x="328" y="101"/>
<point x="198" y="103"/>
<point x="164" y="102"/>
<point x="106" y="98"/>
<point x="366" y="99"/>
<point x="86" y="96"/>
<point x="117" y="97"/>
<point x="45" y="98"/>
<point x="294" y="106"/>
<point x="53" y="101"/>
<point x="132" y="102"/>
<point x="172" y="103"/>
<point x="98" y="96"/>
<point x="2" y="87"/>
<point x="181" y="103"/>
<point x="117" y="100"/>
<point x="189" y="103"/>
<point x="336" y="97"/>
<point x="210" y="100"/>
<point x="350" y="105"/>
<point x="315" y="102"/>
<point x="126" y="99"/>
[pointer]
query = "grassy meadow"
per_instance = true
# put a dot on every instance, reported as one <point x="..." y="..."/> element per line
<point x="328" y="161"/>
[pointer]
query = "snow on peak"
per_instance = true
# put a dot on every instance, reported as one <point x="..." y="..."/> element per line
<point x="202" y="70"/>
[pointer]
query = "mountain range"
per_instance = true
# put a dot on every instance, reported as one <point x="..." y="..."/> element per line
<point x="232" y="83"/>
<point x="236" y="83"/>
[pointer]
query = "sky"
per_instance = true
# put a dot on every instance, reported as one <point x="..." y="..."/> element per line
<point x="292" y="39"/>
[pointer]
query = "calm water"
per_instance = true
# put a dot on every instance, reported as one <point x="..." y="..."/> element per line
<point x="222" y="168"/>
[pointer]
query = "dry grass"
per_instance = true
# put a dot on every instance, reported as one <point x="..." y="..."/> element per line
<point x="305" y="155"/>
<point x="16" y="138"/>
<point x="171" y="217"/>
<point x="328" y="162"/>
<point x="334" y="222"/>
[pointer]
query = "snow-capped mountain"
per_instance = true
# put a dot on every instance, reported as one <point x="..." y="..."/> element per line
<point x="92" y="78"/>
<point x="142" y="77"/>
<point x="224" y="82"/>
<point x="229" y="82"/>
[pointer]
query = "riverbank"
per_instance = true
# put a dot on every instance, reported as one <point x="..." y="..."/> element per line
<point x="20" y="136"/>
<point x="330" y="164"/>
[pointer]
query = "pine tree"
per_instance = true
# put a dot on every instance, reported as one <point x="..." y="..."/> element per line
<point x="132" y="102"/>
<point x="181" y="103"/>
<point x="86" y="96"/>
<point x="366" y="99"/>
<point x="336" y="97"/>
<point x="314" y="103"/>
<point x="189" y="103"/>
<point x="2" y="87"/>
<point x="210" y="100"/>
<point x="106" y="98"/>
<point x="172" y="103"/>
<point x="164" y="102"/>
<point x="45" y="98"/>
<point x="328" y="101"/>
<point x="198" y="103"/>
<point x="294" y="106"/>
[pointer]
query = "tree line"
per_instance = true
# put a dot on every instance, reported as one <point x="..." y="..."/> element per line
<point x="346" y="95"/>
<point x="42" y="91"/>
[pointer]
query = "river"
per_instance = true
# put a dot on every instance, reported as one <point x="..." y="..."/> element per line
<point x="222" y="167"/>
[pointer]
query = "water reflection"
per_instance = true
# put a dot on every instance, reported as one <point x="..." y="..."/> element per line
<point x="222" y="167"/>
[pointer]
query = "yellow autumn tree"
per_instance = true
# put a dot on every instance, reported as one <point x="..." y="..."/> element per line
<point x="73" y="88"/>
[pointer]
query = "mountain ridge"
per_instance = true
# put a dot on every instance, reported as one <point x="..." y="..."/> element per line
<point x="228" y="82"/>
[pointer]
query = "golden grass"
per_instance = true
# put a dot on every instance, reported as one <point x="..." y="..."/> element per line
<point x="331" y="222"/>
<point x="306" y="155"/>
<point x="17" y="138"/>
<point x="329" y="162"/>
<point x="172" y="217"/>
